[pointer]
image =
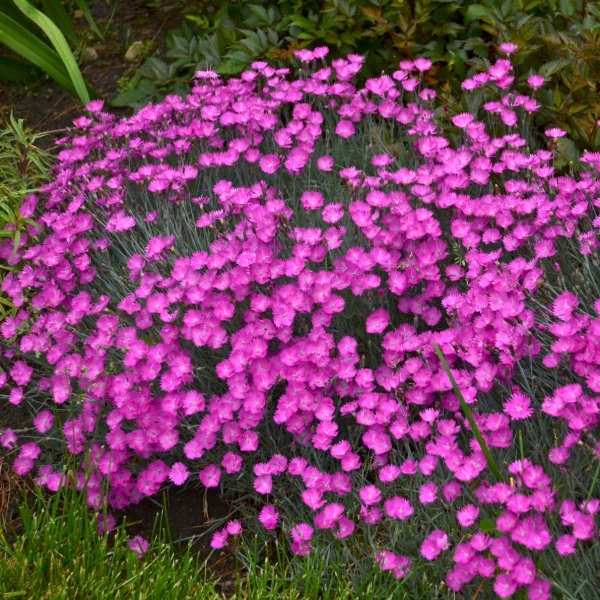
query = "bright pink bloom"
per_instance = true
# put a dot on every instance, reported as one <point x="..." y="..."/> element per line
<point x="397" y="507"/>
<point x="377" y="321"/>
<point x="345" y="129"/>
<point x="210" y="476"/>
<point x="434" y="544"/>
<point x="428" y="493"/>
<point x="219" y="539"/>
<point x="178" y="473"/>
<point x="269" y="163"/>
<point x="139" y="545"/>
<point x="325" y="163"/>
<point x="504" y="585"/>
<point x="43" y="421"/>
<point x="312" y="200"/>
<point x="370" y="494"/>
<point x="468" y="515"/>
<point x="268" y="516"/>
<point x="234" y="528"/>
<point x="517" y="407"/>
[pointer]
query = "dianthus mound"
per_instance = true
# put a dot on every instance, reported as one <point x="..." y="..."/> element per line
<point x="248" y="283"/>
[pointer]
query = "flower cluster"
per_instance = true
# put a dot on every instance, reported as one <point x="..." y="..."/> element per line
<point x="278" y="252"/>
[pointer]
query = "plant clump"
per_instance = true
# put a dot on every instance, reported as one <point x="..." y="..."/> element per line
<point x="340" y="300"/>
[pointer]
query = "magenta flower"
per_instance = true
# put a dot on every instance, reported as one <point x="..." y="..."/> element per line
<point x="377" y="321"/>
<point x="219" y="539"/>
<point x="344" y="528"/>
<point x="269" y="517"/>
<point x="434" y="544"/>
<point x="139" y="545"/>
<point x="43" y="421"/>
<point x="312" y="200"/>
<point x="8" y="438"/>
<point x="539" y="590"/>
<point x="345" y="129"/>
<point x="370" y="494"/>
<point x="302" y="532"/>
<point x="388" y="561"/>
<point x="325" y="163"/>
<point x="234" y="528"/>
<point x="535" y="81"/>
<point x="263" y="484"/>
<point x="428" y="493"/>
<point x="389" y="473"/>
<point x="508" y="48"/>
<point x="555" y="133"/>
<point x="564" y="305"/>
<point x="178" y="473"/>
<point x="504" y="585"/>
<point x="210" y="476"/>
<point x="397" y="507"/>
<point x="467" y="515"/>
<point x="269" y="163"/>
<point x="21" y="373"/>
<point x="517" y="407"/>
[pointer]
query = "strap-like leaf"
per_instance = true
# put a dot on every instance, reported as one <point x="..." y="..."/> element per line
<point x="56" y="11"/>
<point x="60" y="44"/>
<point x="30" y="47"/>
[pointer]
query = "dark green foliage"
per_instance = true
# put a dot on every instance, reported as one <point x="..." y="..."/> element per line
<point x="559" y="39"/>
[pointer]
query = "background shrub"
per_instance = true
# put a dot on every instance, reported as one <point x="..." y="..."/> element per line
<point x="559" y="40"/>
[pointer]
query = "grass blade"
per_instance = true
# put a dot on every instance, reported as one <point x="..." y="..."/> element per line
<point x="469" y="415"/>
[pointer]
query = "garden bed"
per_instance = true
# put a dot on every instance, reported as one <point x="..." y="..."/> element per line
<point x="364" y="321"/>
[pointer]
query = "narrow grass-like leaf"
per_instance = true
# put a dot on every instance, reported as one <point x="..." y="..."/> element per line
<point x="469" y="415"/>
<point x="593" y="484"/>
<point x="85" y="9"/>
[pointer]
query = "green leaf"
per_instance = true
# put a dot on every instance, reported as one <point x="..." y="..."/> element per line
<point x="466" y="410"/>
<point x="487" y="526"/>
<point x="567" y="8"/>
<point x="557" y="98"/>
<point x="231" y="67"/>
<point x="260" y="13"/>
<point x="16" y="244"/>
<point x="59" y="42"/>
<point x="30" y="47"/>
<point x="475" y="12"/>
<point x="56" y="11"/>
<point x="17" y="71"/>
<point x="554" y="66"/>
<point x="154" y="68"/>
<point x="144" y="92"/>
